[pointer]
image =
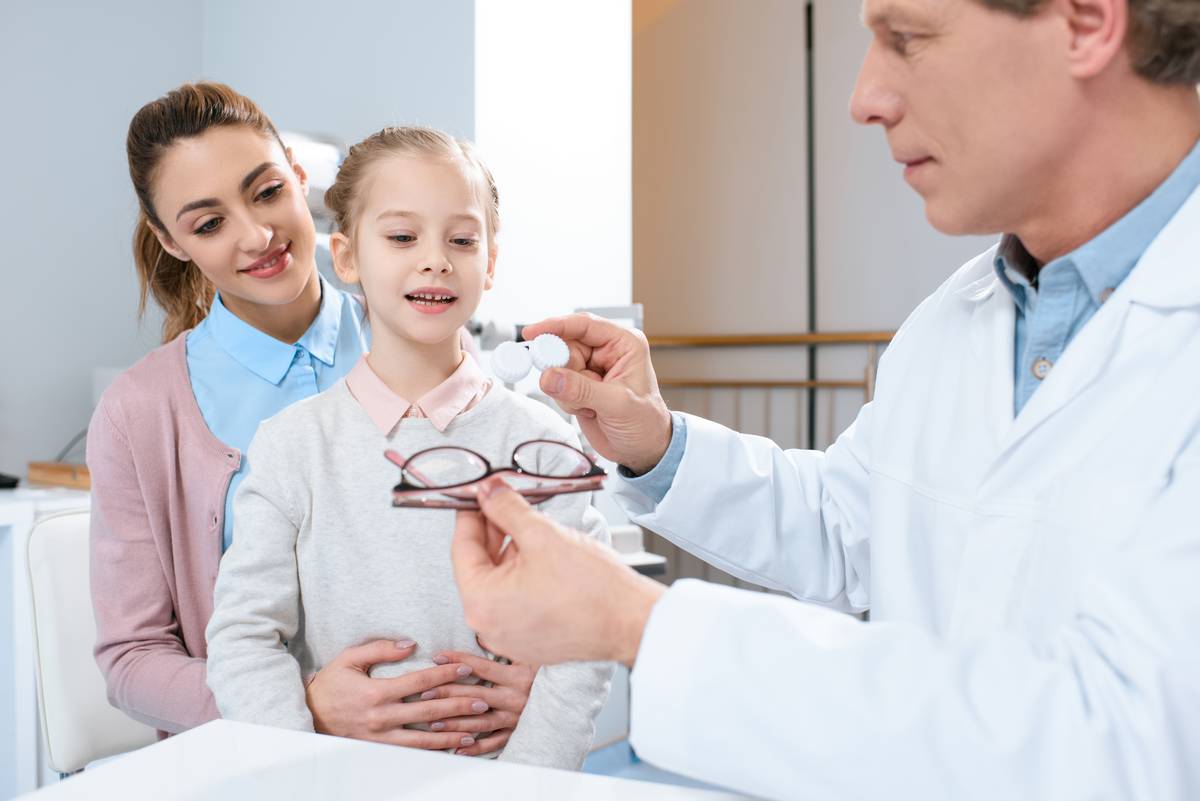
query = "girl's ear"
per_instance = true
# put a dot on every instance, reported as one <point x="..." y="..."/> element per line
<point x="300" y="173"/>
<point x="168" y="244"/>
<point x="343" y="258"/>
<point x="493" y="251"/>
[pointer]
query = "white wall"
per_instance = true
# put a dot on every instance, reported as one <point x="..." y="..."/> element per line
<point x="71" y="76"/>
<point x="350" y="68"/>
<point x="876" y="255"/>
<point x="552" y="121"/>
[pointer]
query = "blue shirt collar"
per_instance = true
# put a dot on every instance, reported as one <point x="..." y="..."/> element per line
<point x="1105" y="261"/>
<point x="266" y="356"/>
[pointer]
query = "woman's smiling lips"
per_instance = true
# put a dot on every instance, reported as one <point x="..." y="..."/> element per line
<point x="271" y="264"/>
<point x="431" y="299"/>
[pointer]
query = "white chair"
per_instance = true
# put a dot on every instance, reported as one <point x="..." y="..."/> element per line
<point x="79" y="724"/>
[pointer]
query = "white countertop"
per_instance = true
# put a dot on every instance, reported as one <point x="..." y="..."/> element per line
<point x="224" y="761"/>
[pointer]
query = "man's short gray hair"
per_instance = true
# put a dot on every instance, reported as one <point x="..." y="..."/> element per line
<point x="1164" y="36"/>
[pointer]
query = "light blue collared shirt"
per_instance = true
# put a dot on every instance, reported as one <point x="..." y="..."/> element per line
<point x="241" y="376"/>
<point x="1054" y="303"/>
<point x="1071" y="289"/>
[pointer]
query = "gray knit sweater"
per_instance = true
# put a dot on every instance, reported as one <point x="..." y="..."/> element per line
<point x="321" y="561"/>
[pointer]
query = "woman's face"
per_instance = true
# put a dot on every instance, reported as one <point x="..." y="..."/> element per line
<point x="233" y="203"/>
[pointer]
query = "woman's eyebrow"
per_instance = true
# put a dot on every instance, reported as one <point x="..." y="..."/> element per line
<point x="212" y="201"/>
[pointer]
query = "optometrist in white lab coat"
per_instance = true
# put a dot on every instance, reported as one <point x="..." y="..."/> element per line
<point x="1029" y="549"/>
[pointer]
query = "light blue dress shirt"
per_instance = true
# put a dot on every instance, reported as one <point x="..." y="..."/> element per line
<point x="241" y="376"/>
<point x="1068" y="292"/>
<point x="1055" y="302"/>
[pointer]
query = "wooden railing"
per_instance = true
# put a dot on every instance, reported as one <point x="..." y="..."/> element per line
<point x="871" y="339"/>
<point x="681" y="564"/>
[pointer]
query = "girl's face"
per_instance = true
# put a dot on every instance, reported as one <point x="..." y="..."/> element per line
<point x="233" y="203"/>
<point x="420" y="248"/>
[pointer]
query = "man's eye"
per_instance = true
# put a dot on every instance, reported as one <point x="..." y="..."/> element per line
<point x="901" y="41"/>
<point x="208" y="227"/>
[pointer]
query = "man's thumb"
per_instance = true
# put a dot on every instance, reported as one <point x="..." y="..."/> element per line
<point x="510" y="513"/>
<point x="577" y="390"/>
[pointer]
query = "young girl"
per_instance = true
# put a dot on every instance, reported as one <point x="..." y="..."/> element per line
<point x="324" y="561"/>
<point x="225" y="244"/>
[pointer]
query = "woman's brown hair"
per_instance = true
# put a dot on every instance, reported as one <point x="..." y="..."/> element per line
<point x="178" y="286"/>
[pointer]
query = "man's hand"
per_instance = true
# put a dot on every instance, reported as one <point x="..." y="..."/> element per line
<point x="610" y="386"/>
<point x="551" y="595"/>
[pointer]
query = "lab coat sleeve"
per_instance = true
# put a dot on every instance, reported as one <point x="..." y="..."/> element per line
<point x="790" y="520"/>
<point x="256" y="608"/>
<point x="149" y="674"/>
<point x="816" y="704"/>
<point x="558" y="723"/>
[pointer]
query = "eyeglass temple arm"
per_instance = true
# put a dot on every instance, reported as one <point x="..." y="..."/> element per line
<point x="400" y="461"/>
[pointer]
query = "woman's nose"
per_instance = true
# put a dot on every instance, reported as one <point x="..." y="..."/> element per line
<point x="256" y="236"/>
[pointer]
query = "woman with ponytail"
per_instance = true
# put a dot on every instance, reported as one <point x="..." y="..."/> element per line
<point x="225" y="245"/>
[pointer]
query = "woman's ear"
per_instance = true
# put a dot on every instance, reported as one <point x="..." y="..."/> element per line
<point x="343" y="258"/>
<point x="493" y="251"/>
<point x="296" y="168"/>
<point x="168" y="244"/>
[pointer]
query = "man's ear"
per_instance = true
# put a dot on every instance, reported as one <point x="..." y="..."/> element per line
<point x="168" y="244"/>
<point x="299" y="170"/>
<point x="493" y="251"/>
<point x="1097" y="30"/>
<point x="343" y="258"/>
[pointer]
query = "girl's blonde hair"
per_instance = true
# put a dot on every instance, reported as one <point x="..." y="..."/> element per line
<point x="343" y="198"/>
<point x="183" y="113"/>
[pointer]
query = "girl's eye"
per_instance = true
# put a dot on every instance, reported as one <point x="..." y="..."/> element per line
<point x="208" y="227"/>
<point x="464" y="242"/>
<point x="403" y="239"/>
<point x="270" y="192"/>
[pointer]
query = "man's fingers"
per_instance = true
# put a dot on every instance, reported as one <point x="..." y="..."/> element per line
<point x="585" y="328"/>
<point x="584" y="390"/>
<point x="376" y="652"/>
<point x="510" y="513"/>
<point x="469" y="550"/>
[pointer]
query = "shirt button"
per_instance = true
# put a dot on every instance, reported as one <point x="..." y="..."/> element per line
<point x="1107" y="293"/>
<point x="1041" y="368"/>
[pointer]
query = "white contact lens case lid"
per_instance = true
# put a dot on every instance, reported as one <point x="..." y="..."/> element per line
<point x="511" y="362"/>
<point x="549" y="351"/>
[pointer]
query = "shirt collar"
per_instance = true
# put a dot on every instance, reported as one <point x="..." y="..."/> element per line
<point x="1105" y="261"/>
<point x="441" y="404"/>
<point x="265" y="355"/>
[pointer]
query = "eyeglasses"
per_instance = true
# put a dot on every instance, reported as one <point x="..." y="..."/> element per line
<point x="446" y="477"/>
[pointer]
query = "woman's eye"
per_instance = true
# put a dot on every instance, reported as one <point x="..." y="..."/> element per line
<point x="270" y="192"/>
<point x="208" y="227"/>
<point x="403" y="239"/>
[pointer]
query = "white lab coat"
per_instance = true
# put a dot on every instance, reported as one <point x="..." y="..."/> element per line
<point x="1034" y="583"/>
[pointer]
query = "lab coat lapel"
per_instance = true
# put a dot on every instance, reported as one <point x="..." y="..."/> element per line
<point x="1166" y="277"/>
<point x="992" y="338"/>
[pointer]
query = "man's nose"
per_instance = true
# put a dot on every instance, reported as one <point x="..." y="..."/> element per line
<point x="875" y="101"/>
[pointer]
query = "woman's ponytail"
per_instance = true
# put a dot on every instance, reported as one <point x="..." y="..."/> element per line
<point x="179" y="287"/>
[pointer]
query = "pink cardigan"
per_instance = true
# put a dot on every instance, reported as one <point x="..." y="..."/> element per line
<point x="159" y="479"/>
